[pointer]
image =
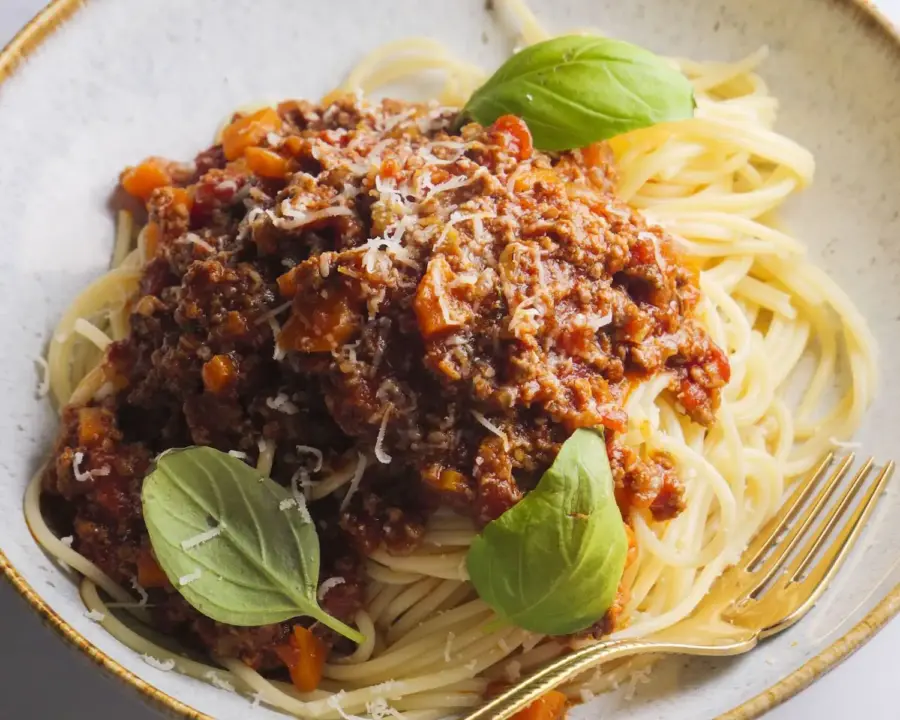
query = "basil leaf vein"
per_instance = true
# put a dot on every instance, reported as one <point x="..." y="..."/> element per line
<point x="262" y="568"/>
<point x="553" y="562"/>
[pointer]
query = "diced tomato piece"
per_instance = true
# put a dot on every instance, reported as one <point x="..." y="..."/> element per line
<point x="511" y="133"/>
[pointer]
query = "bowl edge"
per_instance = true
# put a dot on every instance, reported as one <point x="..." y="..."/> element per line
<point x="13" y="55"/>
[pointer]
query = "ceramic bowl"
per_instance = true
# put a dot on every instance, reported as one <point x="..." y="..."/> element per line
<point x="93" y="86"/>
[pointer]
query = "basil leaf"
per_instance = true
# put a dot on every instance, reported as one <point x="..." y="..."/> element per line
<point x="552" y="563"/>
<point x="262" y="568"/>
<point x="575" y="90"/>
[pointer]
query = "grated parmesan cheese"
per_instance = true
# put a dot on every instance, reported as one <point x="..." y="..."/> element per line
<point x="43" y="388"/>
<point x="216" y="681"/>
<point x="354" y="481"/>
<point x="315" y="452"/>
<point x="276" y="332"/>
<point x="201" y="538"/>
<point x="298" y="218"/>
<point x="493" y="428"/>
<point x="95" y="616"/>
<point x="257" y="700"/>
<point x="327" y="585"/>
<point x="282" y="403"/>
<point x="512" y="670"/>
<point x="189" y="578"/>
<point x="335" y="702"/>
<point x="67" y="540"/>
<point x="448" y="646"/>
<point x="454" y="183"/>
<point x="299" y="479"/>
<point x="238" y="454"/>
<point x="164" y="665"/>
<point x="80" y="476"/>
<point x="195" y="239"/>
<point x="378" y="709"/>
<point x="380" y="454"/>
<point x="638" y="676"/>
<point x="136" y="586"/>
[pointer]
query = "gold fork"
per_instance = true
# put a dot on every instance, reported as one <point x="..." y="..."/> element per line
<point x="769" y="589"/>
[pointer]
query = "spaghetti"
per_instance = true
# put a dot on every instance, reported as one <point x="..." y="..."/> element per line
<point x="431" y="646"/>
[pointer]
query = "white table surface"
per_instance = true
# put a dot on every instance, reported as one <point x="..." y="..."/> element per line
<point x="43" y="678"/>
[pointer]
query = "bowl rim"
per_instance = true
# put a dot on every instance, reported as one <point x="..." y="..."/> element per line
<point x="38" y="30"/>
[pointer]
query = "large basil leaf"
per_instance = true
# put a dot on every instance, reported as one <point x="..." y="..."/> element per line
<point x="263" y="567"/>
<point x="553" y="562"/>
<point x="577" y="89"/>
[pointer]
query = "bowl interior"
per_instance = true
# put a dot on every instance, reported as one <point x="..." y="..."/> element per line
<point x="127" y="78"/>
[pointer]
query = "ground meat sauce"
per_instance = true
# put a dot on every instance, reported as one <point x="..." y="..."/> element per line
<point x="360" y="279"/>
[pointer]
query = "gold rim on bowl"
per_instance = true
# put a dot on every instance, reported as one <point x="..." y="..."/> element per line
<point x="41" y="27"/>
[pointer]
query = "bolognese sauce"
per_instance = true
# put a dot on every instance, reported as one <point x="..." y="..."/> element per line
<point x="368" y="282"/>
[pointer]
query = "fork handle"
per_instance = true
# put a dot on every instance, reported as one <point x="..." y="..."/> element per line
<point x="567" y="667"/>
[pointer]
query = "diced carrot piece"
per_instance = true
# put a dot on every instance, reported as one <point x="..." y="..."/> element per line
<point x="322" y="327"/>
<point x="512" y="134"/>
<point x="182" y="198"/>
<point x="249" y="131"/>
<point x="293" y="145"/>
<point x="304" y="656"/>
<point x="287" y="283"/>
<point x="266" y="163"/>
<point x="452" y="481"/>
<point x="149" y="573"/>
<point x="389" y="168"/>
<point x="235" y="324"/>
<point x="527" y="180"/>
<point x="433" y="304"/>
<point x="219" y="373"/>
<point x="549" y="706"/>
<point x="151" y="240"/>
<point x="143" y="179"/>
<point x="93" y="424"/>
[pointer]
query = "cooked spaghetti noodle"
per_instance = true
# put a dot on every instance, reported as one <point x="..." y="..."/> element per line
<point x="713" y="183"/>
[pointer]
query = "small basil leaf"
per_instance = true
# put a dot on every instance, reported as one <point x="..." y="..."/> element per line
<point x="553" y="562"/>
<point x="577" y="89"/>
<point x="262" y="568"/>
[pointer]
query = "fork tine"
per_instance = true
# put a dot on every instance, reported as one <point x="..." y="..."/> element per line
<point x="782" y="548"/>
<point x="811" y="546"/>
<point x="776" y="525"/>
<point x="821" y="574"/>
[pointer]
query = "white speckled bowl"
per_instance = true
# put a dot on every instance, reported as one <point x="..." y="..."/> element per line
<point x="107" y="82"/>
